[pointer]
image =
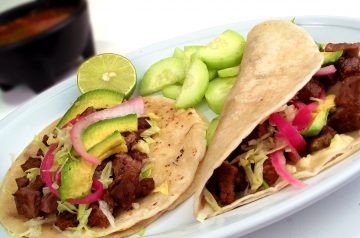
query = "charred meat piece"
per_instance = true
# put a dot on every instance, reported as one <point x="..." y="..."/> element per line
<point x="269" y="174"/>
<point x="106" y="197"/>
<point x="27" y="202"/>
<point x="65" y="220"/>
<point x="143" y="124"/>
<point x="31" y="163"/>
<point x="45" y="139"/>
<point x="101" y="167"/>
<point x="348" y="67"/>
<point x="137" y="155"/>
<point x="49" y="204"/>
<point x="312" y="89"/>
<point x="124" y="165"/>
<point x="124" y="191"/>
<point x="322" y="140"/>
<point x="131" y="138"/>
<point x="37" y="184"/>
<point x="97" y="217"/>
<point x="345" y="120"/>
<point x="222" y="183"/>
<point x="349" y="94"/>
<point x="331" y="47"/>
<point x="145" y="187"/>
<point x="22" y="182"/>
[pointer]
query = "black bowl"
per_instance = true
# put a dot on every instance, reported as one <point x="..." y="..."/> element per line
<point x="39" y="60"/>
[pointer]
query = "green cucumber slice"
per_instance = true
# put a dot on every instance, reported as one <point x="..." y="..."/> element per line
<point x="178" y="53"/>
<point x="195" y="84"/>
<point x="165" y="72"/>
<point x="224" y="51"/>
<point x="228" y="72"/>
<point x="190" y="53"/>
<point x="172" y="91"/>
<point x="217" y="91"/>
<point x="211" y="130"/>
<point x="212" y="74"/>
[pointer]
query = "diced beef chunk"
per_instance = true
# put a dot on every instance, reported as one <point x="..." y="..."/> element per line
<point x="222" y="183"/>
<point x="348" y="66"/>
<point x="22" y="182"/>
<point x="349" y="94"/>
<point x="143" y="124"/>
<point x="269" y="174"/>
<point x="88" y="111"/>
<point x="37" y="184"/>
<point x="131" y="138"/>
<point x="123" y="165"/>
<point x="101" y="167"/>
<point x="44" y="140"/>
<point x="48" y="203"/>
<point x="137" y="155"/>
<point x="145" y="187"/>
<point x="124" y="191"/>
<point x="322" y="140"/>
<point x="97" y="217"/>
<point x="106" y="197"/>
<point x="27" y="202"/>
<point x="345" y="120"/>
<point x="65" y="220"/>
<point x="312" y="89"/>
<point x="31" y="163"/>
<point x="331" y="47"/>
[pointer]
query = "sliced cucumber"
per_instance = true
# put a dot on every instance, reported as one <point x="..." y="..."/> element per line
<point x="228" y="72"/>
<point x="195" y="84"/>
<point x="211" y="129"/>
<point x="217" y="91"/>
<point x="165" y="72"/>
<point x="224" y="51"/>
<point x="172" y="91"/>
<point x="178" y="53"/>
<point x="212" y="74"/>
<point x="190" y="53"/>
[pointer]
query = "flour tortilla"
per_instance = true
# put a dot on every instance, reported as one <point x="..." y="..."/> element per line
<point x="280" y="58"/>
<point x="178" y="150"/>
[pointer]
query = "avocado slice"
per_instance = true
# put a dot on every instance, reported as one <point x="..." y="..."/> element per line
<point x="76" y="175"/>
<point x="320" y="117"/>
<point x="331" y="57"/>
<point x="102" y="129"/>
<point x="100" y="98"/>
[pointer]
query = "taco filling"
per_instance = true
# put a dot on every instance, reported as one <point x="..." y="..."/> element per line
<point x="317" y="117"/>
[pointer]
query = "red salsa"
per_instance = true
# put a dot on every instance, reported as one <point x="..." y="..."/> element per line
<point x="32" y="24"/>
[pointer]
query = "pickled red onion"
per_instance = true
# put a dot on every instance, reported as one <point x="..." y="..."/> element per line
<point x="293" y="154"/>
<point x="326" y="71"/>
<point x="135" y="105"/>
<point x="93" y="197"/>
<point x="303" y="117"/>
<point x="289" y="131"/>
<point x="45" y="168"/>
<point x="278" y="161"/>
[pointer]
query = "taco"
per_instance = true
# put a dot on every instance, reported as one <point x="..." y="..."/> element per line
<point x="293" y="112"/>
<point x="147" y="154"/>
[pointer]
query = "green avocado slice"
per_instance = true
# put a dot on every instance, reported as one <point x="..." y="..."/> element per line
<point x="331" y="57"/>
<point x="98" y="99"/>
<point x="76" y="175"/>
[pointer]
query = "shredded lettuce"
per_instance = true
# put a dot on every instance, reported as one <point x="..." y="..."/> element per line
<point x="34" y="228"/>
<point x="154" y="129"/>
<point x="83" y="215"/>
<point x="149" y="140"/>
<point x="142" y="146"/>
<point x="31" y="174"/>
<point x="162" y="188"/>
<point x="105" y="209"/>
<point x="209" y="198"/>
<point x="105" y="177"/>
<point x="40" y="144"/>
<point x="141" y="231"/>
<point x="65" y="206"/>
<point x="146" y="171"/>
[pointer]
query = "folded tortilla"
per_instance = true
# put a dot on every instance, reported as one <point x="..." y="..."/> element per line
<point x="280" y="58"/>
<point x="178" y="150"/>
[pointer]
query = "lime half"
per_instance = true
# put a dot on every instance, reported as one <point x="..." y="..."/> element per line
<point x="107" y="71"/>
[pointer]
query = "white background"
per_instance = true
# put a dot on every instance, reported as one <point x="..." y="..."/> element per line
<point x="123" y="26"/>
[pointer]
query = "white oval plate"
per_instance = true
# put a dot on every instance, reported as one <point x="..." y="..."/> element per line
<point x="19" y="128"/>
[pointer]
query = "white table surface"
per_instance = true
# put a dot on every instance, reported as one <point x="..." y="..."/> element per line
<point x="125" y="25"/>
